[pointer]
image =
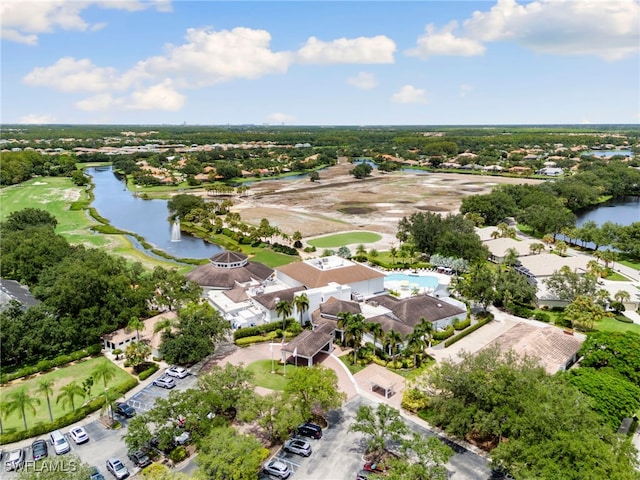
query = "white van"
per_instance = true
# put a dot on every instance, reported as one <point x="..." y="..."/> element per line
<point x="59" y="442"/>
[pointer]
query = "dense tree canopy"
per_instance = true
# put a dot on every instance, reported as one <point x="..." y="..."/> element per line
<point x="615" y="352"/>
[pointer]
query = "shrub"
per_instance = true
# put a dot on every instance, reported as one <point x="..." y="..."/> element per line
<point x="244" y="341"/>
<point x="542" y="317"/>
<point x="44" y="365"/>
<point x="258" y="330"/>
<point x="148" y="372"/>
<point x="443" y="335"/>
<point x="414" y="400"/>
<point x="462" y="324"/>
<point x="94" y="350"/>
<point x="61" y="360"/>
<point x="295" y="328"/>
<point x="623" y="319"/>
<point x="178" y="454"/>
<point x="309" y="249"/>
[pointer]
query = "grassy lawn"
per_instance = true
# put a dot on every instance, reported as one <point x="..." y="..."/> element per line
<point x="613" y="325"/>
<point x="348" y="238"/>
<point x="262" y="376"/>
<point x="61" y="377"/>
<point x="347" y="359"/>
<point x="412" y="373"/>
<point x="630" y="264"/>
<point x="273" y="259"/>
<point x="616" y="277"/>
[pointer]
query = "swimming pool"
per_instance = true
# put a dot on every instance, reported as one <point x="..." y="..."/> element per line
<point x="422" y="281"/>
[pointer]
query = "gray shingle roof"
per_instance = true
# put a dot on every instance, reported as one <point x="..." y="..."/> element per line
<point x="409" y="310"/>
<point x="215" y="277"/>
<point x="308" y="343"/>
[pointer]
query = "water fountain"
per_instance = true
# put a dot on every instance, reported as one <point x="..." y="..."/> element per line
<point x="175" y="231"/>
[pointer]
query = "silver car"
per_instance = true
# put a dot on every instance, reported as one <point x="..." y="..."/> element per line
<point x="177" y="372"/>
<point x="15" y="460"/>
<point x="296" y="445"/>
<point x="117" y="468"/>
<point x="165" y="382"/>
<point x="277" y="469"/>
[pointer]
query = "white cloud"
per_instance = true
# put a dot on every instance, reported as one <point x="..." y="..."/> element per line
<point x="444" y="42"/>
<point x="161" y="96"/>
<point x="609" y="30"/>
<point x="363" y="81"/>
<point x="409" y="94"/>
<point x="211" y="57"/>
<point x="23" y="21"/>
<point x="466" y="88"/>
<point x="71" y="75"/>
<point x="361" y="50"/>
<point x="278" y="117"/>
<point x="37" y="119"/>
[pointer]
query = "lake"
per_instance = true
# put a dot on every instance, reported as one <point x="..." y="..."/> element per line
<point x="609" y="153"/>
<point x="623" y="211"/>
<point x="147" y="218"/>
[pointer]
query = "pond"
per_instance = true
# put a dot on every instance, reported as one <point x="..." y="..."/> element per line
<point x="623" y="211"/>
<point x="147" y="218"/>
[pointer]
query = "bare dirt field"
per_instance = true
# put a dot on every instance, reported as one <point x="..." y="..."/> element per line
<point x="339" y="202"/>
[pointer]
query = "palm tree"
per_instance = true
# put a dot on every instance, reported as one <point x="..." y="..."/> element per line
<point x="416" y="345"/>
<point x="511" y="257"/>
<point x="301" y="303"/>
<point x="393" y="251"/>
<point x="44" y="386"/>
<point x="595" y="268"/>
<point x="361" y="252"/>
<point x="392" y="339"/>
<point x="561" y="247"/>
<point x="284" y="310"/>
<point x="166" y="325"/>
<point x="425" y="327"/>
<point x="343" y="320"/>
<point x="622" y="296"/>
<point x="105" y="371"/>
<point x="21" y="401"/>
<point x="376" y="330"/>
<point x="135" y="324"/>
<point x="354" y="330"/>
<point x="68" y="394"/>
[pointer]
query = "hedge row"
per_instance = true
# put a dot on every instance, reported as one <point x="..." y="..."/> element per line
<point x="149" y="371"/>
<point x="73" y="417"/>
<point x="44" y="365"/>
<point x="444" y="334"/>
<point x="466" y="332"/>
<point x="258" y="330"/>
<point x="462" y="324"/>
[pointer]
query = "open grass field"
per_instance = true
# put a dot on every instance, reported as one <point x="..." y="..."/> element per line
<point x="613" y="325"/>
<point x="347" y="238"/>
<point x="78" y="371"/>
<point x="263" y="377"/>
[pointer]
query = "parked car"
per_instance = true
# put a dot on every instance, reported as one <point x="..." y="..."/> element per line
<point x="300" y="447"/>
<point x="79" y="435"/>
<point x="39" y="450"/>
<point x="117" y="468"/>
<point x="365" y="475"/>
<point x="59" y="442"/>
<point x="94" y="474"/>
<point x="139" y="458"/>
<point x="14" y="460"/>
<point x="182" y="438"/>
<point x="125" y="410"/>
<point x="164" y="382"/>
<point x="277" y="469"/>
<point x="155" y="444"/>
<point x="374" y="467"/>
<point x="177" y="372"/>
<point x="308" y="429"/>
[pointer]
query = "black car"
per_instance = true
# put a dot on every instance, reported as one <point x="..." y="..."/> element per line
<point x="39" y="449"/>
<point x="139" y="458"/>
<point x="308" y="429"/>
<point x="125" y="410"/>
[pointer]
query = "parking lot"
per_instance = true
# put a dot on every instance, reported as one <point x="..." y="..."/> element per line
<point x="105" y="443"/>
<point x="339" y="454"/>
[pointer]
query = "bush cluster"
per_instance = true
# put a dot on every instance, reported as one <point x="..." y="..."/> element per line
<point x="466" y="332"/>
<point x="259" y="329"/>
<point x="287" y="250"/>
<point x="148" y="372"/>
<point x="444" y="334"/>
<point x="461" y="325"/>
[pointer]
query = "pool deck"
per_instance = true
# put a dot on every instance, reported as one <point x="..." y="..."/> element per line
<point x="405" y="287"/>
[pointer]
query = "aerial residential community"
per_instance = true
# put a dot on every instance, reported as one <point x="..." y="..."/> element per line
<point x="398" y="242"/>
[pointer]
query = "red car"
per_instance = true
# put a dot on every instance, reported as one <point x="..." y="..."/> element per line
<point x="374" y="467"/>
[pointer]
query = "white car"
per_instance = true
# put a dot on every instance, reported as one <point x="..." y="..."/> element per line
<point x="15" y="460"/>
<point x="277" y="469"/>
<point x="183" y="438"/>
<point x="177" y="372"/>
<point x="79" y="435"/>
<point x="165" y="382"/>
<point x="296" y="445"/>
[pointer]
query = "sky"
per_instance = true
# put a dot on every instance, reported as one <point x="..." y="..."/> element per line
<point x="426" y="62"/>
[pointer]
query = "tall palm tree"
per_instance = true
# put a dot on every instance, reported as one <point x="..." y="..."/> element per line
<point x="425" y="327"/>
<point x="361" y="252"/>
<point x="343" y="320"/>
<point x="353" y="333"/>
<point x="301" y="303"/>
<point x="376" y="330"/>
<point x="393" y="251"/>
<point x="392" y="339"/>
<point x="416" y="345"/>
<point x="68" y="394"/>
<point x="21" y="401"/>
<point x="44" y="386"/>
<point x="166" y="325"/>
<point x="135" y="324"/>
<point x="284" y="310"/>
<point x="105" y="371"/>
<point x="622" y="296"/>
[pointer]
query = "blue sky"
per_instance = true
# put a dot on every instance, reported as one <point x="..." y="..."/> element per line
<point x="320" y="63"/>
